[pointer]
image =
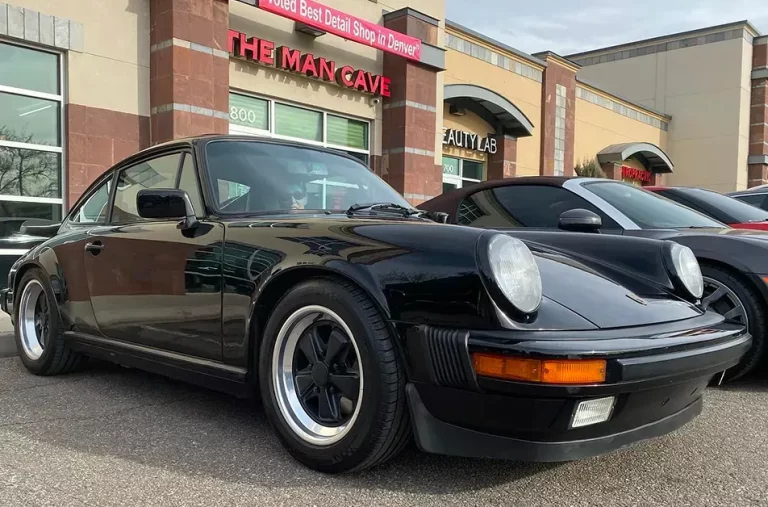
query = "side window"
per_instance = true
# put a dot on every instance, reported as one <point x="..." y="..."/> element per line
<point x="188" y="182"/>
<point x="754" y="200"/>
<point x="156" y="173"/>
<point x="524" y="206"/>
<point x="94" y="209"/>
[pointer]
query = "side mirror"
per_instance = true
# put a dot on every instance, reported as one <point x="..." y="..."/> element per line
<point x="438" y="216"/>
<point x="39" y="228"/>
<point x="166" y="203"/>
<point x="580" y="220"/>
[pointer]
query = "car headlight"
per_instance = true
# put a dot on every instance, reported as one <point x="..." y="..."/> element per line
<point x="515" y="272"/>
<point x="685" y="269"/>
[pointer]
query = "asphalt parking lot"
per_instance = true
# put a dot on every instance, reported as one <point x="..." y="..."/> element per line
<point x="114" y="436"/>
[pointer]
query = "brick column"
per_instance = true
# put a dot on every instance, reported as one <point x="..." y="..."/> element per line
<point x="758" y="118"/>
<point x="612" y="170"/>
<point x="503" y="163"/>
<point x="557" y="134"/>
<point x="410" y="114"/>
<point x="189" y="68"/>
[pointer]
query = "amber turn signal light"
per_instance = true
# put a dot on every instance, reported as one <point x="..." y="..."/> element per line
<point x="547" y="371"/>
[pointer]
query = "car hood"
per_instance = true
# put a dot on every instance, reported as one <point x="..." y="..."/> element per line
<point x="605" y="296"/>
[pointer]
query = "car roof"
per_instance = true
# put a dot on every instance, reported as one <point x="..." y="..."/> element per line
<point x="450" y="200"/>
<point x="206" y="138"/>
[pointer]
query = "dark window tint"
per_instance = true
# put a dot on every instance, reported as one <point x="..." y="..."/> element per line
<point x="156" y="173"/>
<point x="188" y="183"/>
<point x="727" y="208"/>
<point x="94" y="209"/>
<point x="253" y="176"/>
<point x="754" y="200"/>
<point x="648" y="210"/>
<point x="523" y="206"/>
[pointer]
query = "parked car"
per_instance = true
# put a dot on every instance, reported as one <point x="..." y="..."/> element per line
<point x="265" y="267"/>
<point x="755" y="196"/>
<point x="734" y="262"/>
<point x="722" y="208"/>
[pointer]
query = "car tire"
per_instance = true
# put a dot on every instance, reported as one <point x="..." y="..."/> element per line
<point x="365" y="432"/>
<point x="756" y="319"/>
<point x="39" y="342"/>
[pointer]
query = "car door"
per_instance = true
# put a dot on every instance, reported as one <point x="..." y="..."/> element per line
<point x="151" y="283"/>
<point x="89" y="215"/>
<point x="533" y="206"/>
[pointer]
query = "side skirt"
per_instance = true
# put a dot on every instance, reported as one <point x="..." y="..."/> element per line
<point x="202" y="372"/>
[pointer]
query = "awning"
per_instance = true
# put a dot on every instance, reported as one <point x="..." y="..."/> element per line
<point x="497" y="111"/>
<point x="651" y="156"/>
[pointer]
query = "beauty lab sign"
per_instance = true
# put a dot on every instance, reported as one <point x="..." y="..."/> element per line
<point x="461" y="139"/>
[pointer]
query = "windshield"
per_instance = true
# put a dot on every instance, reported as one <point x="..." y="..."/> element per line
<point x="648" y="210"/>
<point x="255" y="176"/>
<point x="739" y="211"/>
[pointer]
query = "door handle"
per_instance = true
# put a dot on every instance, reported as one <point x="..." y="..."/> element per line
<point x="94" y="247"/>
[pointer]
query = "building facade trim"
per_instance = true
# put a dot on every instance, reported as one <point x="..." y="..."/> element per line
<point x="682" y="40"/>
<point x="408" y="11"/>
<point x="757" y="159"/>
<point x="187" y="108"/>
<point x="651" y="155"/>
<point x="760" y="73"/>
<point x="483" y="102"/>
<point x="493" y="42"/>
<point x="33" y="26"/>
<point x="188" y="45"/>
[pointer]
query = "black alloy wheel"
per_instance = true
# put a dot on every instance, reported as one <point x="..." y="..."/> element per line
<point x="331" y="378"/>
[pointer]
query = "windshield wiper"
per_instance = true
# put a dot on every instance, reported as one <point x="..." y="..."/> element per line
<point x="383" y="206"/>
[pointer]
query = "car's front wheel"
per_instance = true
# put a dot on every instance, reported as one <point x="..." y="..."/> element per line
<point x="41" y="347"/>
<point x="331" y="378"/>
<point x="732" y="298"/>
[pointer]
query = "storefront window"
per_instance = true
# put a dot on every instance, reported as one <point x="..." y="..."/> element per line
<point x="249" y="112"/>
<point x="30" y="142"/>
<point x="459" y="172"/>
<point x="258" y="116"/>
<point x="298" y="122"/>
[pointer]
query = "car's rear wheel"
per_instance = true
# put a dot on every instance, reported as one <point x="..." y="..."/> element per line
<point x="732" y="298"/>
<point x="41" y="347"/>
<point x="331" y="379"/>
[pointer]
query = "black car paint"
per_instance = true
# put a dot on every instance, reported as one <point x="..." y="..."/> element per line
<point x="224" y="275"/>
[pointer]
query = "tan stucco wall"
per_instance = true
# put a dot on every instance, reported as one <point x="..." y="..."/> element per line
<point x="251" y="77"/>
<point x="522" y="92"/>
<point x="112" y="72"/>
<point x="705" y="89"/>
<point x="597" y="127"/>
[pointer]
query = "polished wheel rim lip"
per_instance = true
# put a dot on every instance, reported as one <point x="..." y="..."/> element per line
<point x="283" y="380"/>
<point x="34" y="320"/>
<point x="717" y="293"/>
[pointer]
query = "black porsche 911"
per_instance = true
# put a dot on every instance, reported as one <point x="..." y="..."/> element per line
<point x="734" y="262"/>
<point x="260" y="267"/>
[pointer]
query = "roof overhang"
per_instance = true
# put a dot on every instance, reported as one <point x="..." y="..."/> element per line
<point x="649" y="154"/>
<point x="497" y="111"/>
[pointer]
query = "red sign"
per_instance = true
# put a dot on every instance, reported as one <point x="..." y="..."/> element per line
<point x="349" y="27"/>
<point x="636" y="174"/>
<point x="293" y="60"/>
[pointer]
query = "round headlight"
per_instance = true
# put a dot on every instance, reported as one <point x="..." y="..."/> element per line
<point x="687" y="269"/>
<point x="515" y="272"/>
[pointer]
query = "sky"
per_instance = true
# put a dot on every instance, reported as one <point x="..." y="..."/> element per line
<point x="571" y="26"/>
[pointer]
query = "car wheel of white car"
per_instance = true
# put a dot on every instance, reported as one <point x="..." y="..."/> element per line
<point x="37" y="328"/>
<point x="331" y="379"/>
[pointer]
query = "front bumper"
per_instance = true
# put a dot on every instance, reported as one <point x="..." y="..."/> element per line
<point x="657" y="375"/>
